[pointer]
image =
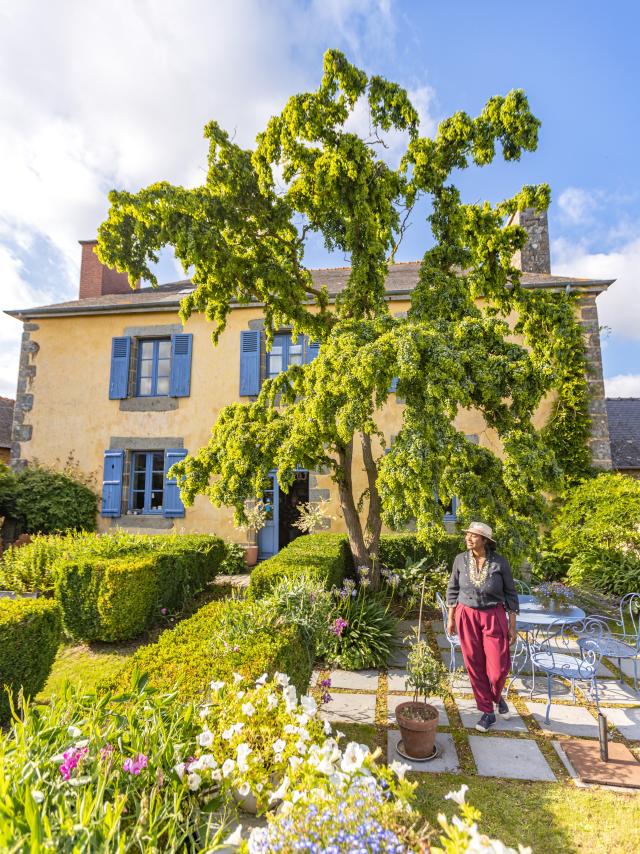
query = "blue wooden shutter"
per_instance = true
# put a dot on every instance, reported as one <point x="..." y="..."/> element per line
<point x="394" y="384"/>
<point x="112" y="482"/>
<point x="249" y="362"/>
<point x="180" y="381"/>
<point x="119" y="381"/>
<point x="172" y="503"/>
<point x="311" y="351"/>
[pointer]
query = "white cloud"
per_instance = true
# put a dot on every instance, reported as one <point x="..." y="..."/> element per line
<point x="576" y="205"/>
<point x="623" y="385"/>
<point x="114" y="93"/>
<point x="619" y="307"/>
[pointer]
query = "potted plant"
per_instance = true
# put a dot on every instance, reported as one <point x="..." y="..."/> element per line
<point x="417" y="719"/>
<point x="255" y="518"/>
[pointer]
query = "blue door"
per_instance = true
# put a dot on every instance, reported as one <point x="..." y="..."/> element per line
<point x="268" y="538"/>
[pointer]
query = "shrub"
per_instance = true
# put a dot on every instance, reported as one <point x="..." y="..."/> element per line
<point x="117" y="598"/>
<point x="48" y="502"/>
<point x="32" y="566"/>
<point x="29" y="639"/>
<point x="362" y="630"/>
<point x="323" y="557"/>
<point x="218" y="640"/>
<point x="234" y="562"/>
<point x="397" y="549"/>
<point x="612" y="572"/>
<point x="7" y="491"/>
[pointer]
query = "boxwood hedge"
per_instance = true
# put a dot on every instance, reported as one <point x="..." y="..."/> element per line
<point x="30" y="632"/>
<point x="323" y="557"/>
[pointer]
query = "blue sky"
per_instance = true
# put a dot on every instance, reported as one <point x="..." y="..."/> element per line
<point x="115" y="93"/>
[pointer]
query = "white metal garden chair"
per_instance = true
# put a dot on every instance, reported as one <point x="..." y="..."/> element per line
<point x="621" y="636"/>
<point x="454" y="640"/>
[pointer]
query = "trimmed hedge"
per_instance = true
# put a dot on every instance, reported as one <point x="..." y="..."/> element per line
<point x="30" y="632"/>
<point x="207" y="646"/>
<point x="397" y="549"/>
<point x="322" y="557"/>
<point x="117" y="598"/>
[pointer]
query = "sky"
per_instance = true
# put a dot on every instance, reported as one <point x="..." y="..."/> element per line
<point x="115" y="93"/>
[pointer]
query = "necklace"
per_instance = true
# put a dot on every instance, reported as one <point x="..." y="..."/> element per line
<point x="477" y="574"/>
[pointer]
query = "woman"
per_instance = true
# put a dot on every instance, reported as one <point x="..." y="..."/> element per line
<point x="479" y="594"/>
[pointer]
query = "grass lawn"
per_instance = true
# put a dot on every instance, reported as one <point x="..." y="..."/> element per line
<point x="549" y="817"/>
<point x="85" y="665"/>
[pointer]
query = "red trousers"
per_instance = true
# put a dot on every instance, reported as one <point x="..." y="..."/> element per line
<point x="484" y="638"/>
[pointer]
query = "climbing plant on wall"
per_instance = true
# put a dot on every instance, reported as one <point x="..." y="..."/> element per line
<point x="244" y="231"/>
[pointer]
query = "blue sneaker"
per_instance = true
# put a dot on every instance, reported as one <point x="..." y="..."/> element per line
<point x="486" y="721"/>
<point x="503" y="709"/>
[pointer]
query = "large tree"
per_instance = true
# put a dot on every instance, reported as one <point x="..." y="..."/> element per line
<point x="244" y="231"/>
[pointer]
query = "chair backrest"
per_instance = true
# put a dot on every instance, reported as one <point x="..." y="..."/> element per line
<point x="445" y="612"/>
<point x="522" y="587"/>
<point x="630" y="618"/>
<point x="557" y="641"/>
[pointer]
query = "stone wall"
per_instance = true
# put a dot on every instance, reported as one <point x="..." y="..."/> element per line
<point x="599" y="442"/>
<point x="22" y="431"/>
<point x="534" y="257"/>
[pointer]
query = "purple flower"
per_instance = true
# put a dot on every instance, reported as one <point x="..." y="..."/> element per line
<point x="164" y="611"/>
<point x="135" y="765"/>
<point x="326" y="683"/>
<point x="339" y="625"/>
<point x="326" y="697"/>
<point x="72" y="758"/>
<point x="106" y="752"/>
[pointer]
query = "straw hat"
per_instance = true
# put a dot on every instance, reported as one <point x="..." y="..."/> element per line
<point x="480" y="528"/>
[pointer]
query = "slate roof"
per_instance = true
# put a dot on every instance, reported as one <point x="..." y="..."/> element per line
<point x="6" y="420"/>
<point x="624" y="431"/>
<point x="402" y="279"/>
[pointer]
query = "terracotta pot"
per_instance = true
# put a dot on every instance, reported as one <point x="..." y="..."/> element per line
<point x="418" y="736"/>
<point x="251" y="555"/>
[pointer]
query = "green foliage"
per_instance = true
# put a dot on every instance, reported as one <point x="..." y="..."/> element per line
<point x="452" y="352"/>
<point x="303" y="602"/>
<point x="50" y="502"/>
<point x="102" y="806"/>
<point x="363" y="630"/>
<point x="607" y="570"/>
<point x="113" y="598"/>
<point x="7" y="491"/>
<point x="321" y="557"/>
<point x="220" y="639"/>
<point x="29" y="638"/>
<point x="397" y="549"/>
<point x="426" y="673"/>
<point x="233" y="562"/>
<point x="32" y="567"/>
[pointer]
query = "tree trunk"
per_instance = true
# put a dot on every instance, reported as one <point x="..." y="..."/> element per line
<point x="374" y="515"/>
<point x="349" y="510"/>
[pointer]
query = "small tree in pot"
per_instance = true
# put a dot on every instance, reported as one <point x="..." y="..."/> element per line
<point x="255" y="518"/>
<point x="417" y="719"/>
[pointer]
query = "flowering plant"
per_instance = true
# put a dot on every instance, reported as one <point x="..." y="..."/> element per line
<point x="554" y="591"/>
<point x="312" y="515"/>
<point x="254" y="518"/>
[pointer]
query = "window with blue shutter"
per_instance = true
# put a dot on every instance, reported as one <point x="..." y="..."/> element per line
<point x="249" y="362"/>
<point x="313" y="348"/>
<point x="119" y="380"/>
<point x="394" y="384"/>
<point x="181" y="346"/>
<point x="112" y="483"/>
<point x="173" y="505"/>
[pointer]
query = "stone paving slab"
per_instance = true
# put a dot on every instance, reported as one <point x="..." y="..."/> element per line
<point x="399" y="657"/>
<point x="470" y="716"/>
<point x="446" y="761"/>
<point x="510" y="758"/>
<point x="626" y="721"/>
<point x="443" y="643"/>
<point x="394" y="700"/>
<point x="357" y="680"/>
<point x="397" y="680"/>
<point x="460" y="683"/>
<point x="350" y="708"/>
<point x="437" y="626"/>
<point x="610" y="691"/>
<point x="523" y="687"/>
<point x="565" y="720"/>
<point x="626" y="665"/>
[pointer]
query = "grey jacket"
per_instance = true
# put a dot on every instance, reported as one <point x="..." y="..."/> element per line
<point x="498" y="589"/>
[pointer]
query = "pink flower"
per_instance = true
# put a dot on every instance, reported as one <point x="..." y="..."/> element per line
<point x="163" y="611"/>
<point x="106" y="752"/>
<point x="135" y="765"/>
<point x="72" y="758"/>
<point x="339" y="625"/>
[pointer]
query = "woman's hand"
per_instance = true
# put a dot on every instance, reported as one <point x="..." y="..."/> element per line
<point x="451" y="622"/>
<point x="513" y="632"/>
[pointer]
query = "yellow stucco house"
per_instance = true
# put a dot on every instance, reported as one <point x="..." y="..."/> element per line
<point x="114" y="379"/>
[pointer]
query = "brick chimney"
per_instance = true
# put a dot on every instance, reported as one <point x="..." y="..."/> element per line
<point x="534" y="256"/>
<point x="96" y="279"/>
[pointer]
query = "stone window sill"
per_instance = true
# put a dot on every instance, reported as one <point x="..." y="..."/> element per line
<point x="149" y="404"/>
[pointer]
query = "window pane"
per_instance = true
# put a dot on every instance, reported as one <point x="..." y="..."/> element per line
<point x="139" y="462"/>
<point x="138" y="480"/>
<point x="156" y="500"/>
<point x="163" y="367"/>
<point x="163" y="385"/>
<point x="157" y="481"/>
<point x="146" y="368"/>
<point x="158" y="461"/>
<point x="295" y="352"/>
<point x="146" y="349"/>
<point x="138" y="501"/>
<point x="164" y="349"/>
<point x="275" y="364"/>
<point x="145" y="386"/>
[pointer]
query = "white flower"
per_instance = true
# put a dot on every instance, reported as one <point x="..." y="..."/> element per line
<point x="237" y="678"/>
<point x="295" y="762"/>
<point x="325" y="766"/>
<point x="281" y="679"/>
<point x="279" y="745"/>
<point x="82" y="743"/>
<point x="207" y="761"/>
<point x="234" y="838"/>
<point x="301" y="747"/>
<point x="339" y="735"/>
<point x="259" y="787"/>
<point x="309" y="705"/>
<point x="74" y="732"/>
<point x="240" y="694"/>
<point x="37" y="796"/>
<point x="248" y="709"/>
<point x="296" y="795"/>
<point x="272" y="701"/>
<point x="302" y="719"/>
<point x="280" y="792"/>
<point x="205" y="739"/>
<point x="227" y="734"/>
<point x="353" y="757"/>
<point x="401" y="768"/>
<point x="242" y="752"/>
<point x="193" y="781"/>
<point x="216" y="775"/>
<point x="227" y="767"/>
<point x="262" y="679"/>
<point x="258" y="840"/>
<point x="285" y="808"/>
<point x="290" y="698"/>
<point x="179" y="769"/>
<point x="304" y="734"/>
<point x="244" y="789"/>
<point x="458" y="796"/>
<point x="290" y="729"/>
<point x="327" y="728"/>
<point x="196" y="765"/>
<point x="216" y="686"/>
<point x="204" y="711"/>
